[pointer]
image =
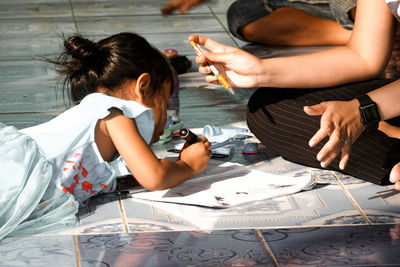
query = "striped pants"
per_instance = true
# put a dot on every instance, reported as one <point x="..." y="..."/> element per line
<point x="276" y="117"/>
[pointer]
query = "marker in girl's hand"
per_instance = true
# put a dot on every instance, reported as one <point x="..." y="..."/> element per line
<point x="214" y="70"/>
<point x="190" y="137"/>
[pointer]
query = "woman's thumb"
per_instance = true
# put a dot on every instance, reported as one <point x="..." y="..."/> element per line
<point x="315" y="109"/>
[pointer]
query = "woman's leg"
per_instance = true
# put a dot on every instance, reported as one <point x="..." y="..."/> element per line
<point x="277" y="119"/>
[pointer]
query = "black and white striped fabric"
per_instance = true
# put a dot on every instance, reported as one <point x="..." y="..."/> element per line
<point x="277" y="119"/>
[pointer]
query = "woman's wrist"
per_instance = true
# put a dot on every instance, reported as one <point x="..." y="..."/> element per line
<point x="356" y="116"/>
<point x="263" y="77"/>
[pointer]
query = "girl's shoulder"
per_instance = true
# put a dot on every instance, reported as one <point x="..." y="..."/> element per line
<point x="102" y="104"/>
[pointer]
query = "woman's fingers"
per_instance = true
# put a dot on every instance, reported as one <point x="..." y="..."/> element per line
<point x="330" y="150"/>
<point x="345" y="156"/>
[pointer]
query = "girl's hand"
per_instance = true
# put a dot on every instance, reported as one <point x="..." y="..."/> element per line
<point x="197" y="155"/>
<point x="340" y="121"/>
<point x="239" y="68"/>
<point x="182" y="5"/>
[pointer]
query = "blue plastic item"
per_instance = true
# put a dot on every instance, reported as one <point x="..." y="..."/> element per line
<point x="250" y="148"/>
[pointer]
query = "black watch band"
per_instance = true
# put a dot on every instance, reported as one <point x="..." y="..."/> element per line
<point x="369" y="113"/>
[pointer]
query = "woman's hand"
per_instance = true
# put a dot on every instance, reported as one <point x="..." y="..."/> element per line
<point x="239" y="68"/>
<point x="393" y="132"/>
<point x="395" y="176"/>
<point x="182" y="5"/>
<point x="197" y="155"/>
<point x="340" y="121"/>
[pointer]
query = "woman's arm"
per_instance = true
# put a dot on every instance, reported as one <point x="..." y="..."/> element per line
<point x="364" y="57"/>
<point x="341" y="121"/>
<point x="151" y="172"/>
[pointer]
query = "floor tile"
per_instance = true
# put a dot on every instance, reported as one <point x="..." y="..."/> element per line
<point x="31" y="47"/>
<point x="335" y="246"/>
<point x="381" y="204"/>
<point x="326" y="204"/>
<point x="41" y="251"/>
<point x="148" y="24"/>
<point x="28" y="9"/>
<point x="126" y="8"/>
<point x="219" y="6"/>
<point x="101" y="214"/>
<point x="179" y="41"/>
<point x="30" y="97"/>
<point x="25" y="71"/>
<point x="216" y="248"/>
<point x="23" y="120"/>
<point x="36" y="27"/>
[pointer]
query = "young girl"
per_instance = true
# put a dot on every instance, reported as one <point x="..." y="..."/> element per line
<point x="121" y="86"/>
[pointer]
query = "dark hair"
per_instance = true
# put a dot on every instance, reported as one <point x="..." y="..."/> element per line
<point x="109" y="63"/>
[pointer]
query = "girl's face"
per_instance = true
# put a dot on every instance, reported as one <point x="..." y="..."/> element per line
<point x="159" y="106"/>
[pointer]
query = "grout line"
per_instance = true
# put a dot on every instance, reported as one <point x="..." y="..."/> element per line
<point x="267" y="248"/>
<point x="351" y="198"/>
<point x="73" y="15"/>
<point x="123" y="215"/>
<point x="78" y="261"/>
<point x="222" y="25"/>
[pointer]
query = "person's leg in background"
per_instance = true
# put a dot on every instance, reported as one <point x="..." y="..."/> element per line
<point x="292" y="23"/>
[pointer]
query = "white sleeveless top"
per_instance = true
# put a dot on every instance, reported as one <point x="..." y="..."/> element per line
<point x="68" y="142"/>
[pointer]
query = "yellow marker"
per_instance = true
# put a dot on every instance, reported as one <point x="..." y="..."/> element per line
<point x="214" y="70"/>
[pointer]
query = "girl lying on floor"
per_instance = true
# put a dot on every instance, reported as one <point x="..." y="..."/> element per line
<point x="121" y="86"/>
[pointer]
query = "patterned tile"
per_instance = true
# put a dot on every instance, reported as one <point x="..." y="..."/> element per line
<point x="335" y="246"/>
<point x="216" y="248"/>
<point x="38" y="251"/>
<point x="101" y="214"/>
<point x="381" y="204"/>
<point x="326" y="204"/>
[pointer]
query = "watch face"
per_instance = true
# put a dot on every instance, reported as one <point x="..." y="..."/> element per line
<point x="370" y="113"/>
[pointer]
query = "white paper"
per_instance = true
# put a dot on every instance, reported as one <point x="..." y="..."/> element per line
<point x="229" y="184"/>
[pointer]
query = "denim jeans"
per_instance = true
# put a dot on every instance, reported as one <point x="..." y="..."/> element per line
<point x="243" y="12"/>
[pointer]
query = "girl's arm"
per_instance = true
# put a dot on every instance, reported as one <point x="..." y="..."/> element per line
<point x="364" y="57"/>
<point x="151" y="172"/>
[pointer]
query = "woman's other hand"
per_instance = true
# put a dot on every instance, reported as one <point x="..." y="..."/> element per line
<point x="340" y="120"/>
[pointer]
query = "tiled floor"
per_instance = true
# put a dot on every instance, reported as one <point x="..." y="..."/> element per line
<point x="342" y="222"/>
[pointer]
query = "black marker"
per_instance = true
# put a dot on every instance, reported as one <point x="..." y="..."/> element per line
<point x="190" y="137"/>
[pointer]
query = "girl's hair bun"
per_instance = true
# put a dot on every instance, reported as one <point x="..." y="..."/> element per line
<point x="109" y="63"/>
<point x="81" y="49"/>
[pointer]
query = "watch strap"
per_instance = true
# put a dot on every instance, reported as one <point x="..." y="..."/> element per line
<point x="365" y="100"/>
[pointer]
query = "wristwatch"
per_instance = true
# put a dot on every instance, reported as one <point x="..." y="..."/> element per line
<point x="369" y="113"/>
